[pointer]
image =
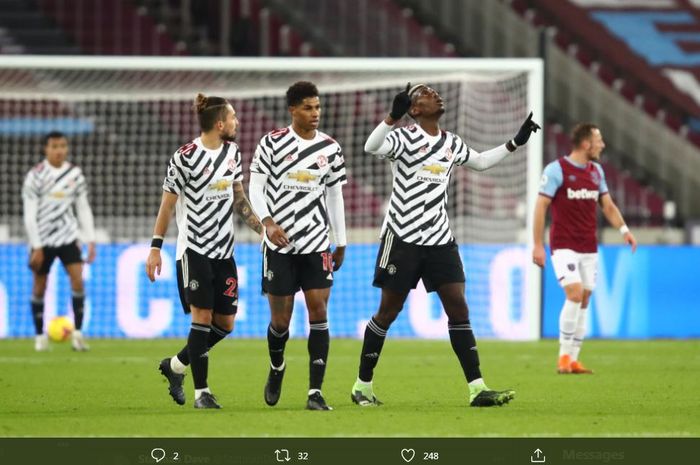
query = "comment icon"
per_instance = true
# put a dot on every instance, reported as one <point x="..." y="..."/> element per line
<point x="158" y="454"/>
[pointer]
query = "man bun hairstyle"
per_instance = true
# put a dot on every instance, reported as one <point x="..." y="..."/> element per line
<point x="581" y="132"/>
<point x="298" y="91"/>
<point x="209" y="110"/>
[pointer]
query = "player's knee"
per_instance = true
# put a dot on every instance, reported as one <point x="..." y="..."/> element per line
<point x="280" y="323"/>
<point x="224" y="322"/>
<point x="201" y="316"/>
<point x="574" y="292"/>
<point x="318" y="314"/>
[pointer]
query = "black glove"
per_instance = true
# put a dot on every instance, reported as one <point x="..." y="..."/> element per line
<point x="526" y="129"/>
<point x="401" y="104"/>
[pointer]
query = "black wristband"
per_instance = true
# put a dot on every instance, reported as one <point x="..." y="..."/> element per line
<point x="511" y="146"/>
<point x="156" y="242"/>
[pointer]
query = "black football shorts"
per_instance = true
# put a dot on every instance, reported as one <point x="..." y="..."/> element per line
<point x="400" y="265"/>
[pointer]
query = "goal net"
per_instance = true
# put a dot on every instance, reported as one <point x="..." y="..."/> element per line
<point x="124" y="117"/>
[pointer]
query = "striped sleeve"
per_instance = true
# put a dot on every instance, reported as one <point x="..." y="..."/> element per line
<point x="460" y="151"/>
<point x="30" y="189"/>
<point x="336" y="174"/>
<point x="261" y="159"/>
<point x="30" y="198"/>
<point x="238" y="171"/>
<point x="81" y="184"/>
<point x="176" y="177"/>
<point x="397" y="145"/>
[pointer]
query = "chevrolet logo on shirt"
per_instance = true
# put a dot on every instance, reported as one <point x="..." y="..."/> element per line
<point x="435" y="169"/>
<point x="220" y="185"/>
<point x="302" y="176"/>
<point x="58" y="195"/>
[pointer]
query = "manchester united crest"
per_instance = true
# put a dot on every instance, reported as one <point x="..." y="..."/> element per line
<point x="322" y="161"/>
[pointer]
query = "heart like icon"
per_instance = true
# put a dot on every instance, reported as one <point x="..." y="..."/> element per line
<point x="408" y="454"/>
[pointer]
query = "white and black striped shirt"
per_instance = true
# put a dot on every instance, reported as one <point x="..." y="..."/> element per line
<point x="421" y="165"/>
<point x="203" y="180"/>
<point x="298" y="172"/>
<point x="49" y="196"/>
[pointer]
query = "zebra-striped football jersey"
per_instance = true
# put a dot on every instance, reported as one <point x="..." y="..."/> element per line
<point x="298" y="172"/>
<point x="203" y="180"/>
<point x="55" y="190"/>
<point x="422" y="165"/>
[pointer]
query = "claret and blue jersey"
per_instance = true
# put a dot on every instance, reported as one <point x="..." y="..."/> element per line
<point x="575" y="191"/>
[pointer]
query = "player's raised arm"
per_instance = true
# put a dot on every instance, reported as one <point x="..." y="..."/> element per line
<point x="485" y="160"/>
<point x="378" y="143"/>
<point x="614" y="217"/>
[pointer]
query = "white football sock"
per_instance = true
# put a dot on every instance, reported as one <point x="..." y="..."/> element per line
<point x="579" y="334"/>
<point x="477" y="383"/>
<point x="177" y="366"/>
<point x="198" y="392"/>
<point x="568" y="319"/>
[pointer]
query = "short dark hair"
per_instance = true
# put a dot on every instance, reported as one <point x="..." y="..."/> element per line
<point x="581" y="132"/>
<point x="298" y="91"/>
<point x="53" y="135"/>
<point x="209" y="110"/>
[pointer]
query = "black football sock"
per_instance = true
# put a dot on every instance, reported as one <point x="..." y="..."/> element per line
<point x="276" y="342"/>
<point x="78" y="306"/>
<point x="199" y="356"/>
<point x="38" y="314"/>
<point x="319" y="342"/>
<point x="464" y="345"/>
<point x="371" y="349"/>
<point x="216" y="334"/>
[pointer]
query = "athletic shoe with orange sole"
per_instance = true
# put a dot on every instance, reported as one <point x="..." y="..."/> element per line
<point x="564" y="365"/>
<point x="577" y="368"/>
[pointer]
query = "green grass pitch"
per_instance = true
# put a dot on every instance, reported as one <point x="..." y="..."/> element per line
<point x="640" y="388"/>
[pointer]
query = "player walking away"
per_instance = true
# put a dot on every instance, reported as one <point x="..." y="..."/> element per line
<point x="296" y="188"/>
<point x="416" y="239"/>
<point x="573" y="185"/>
<point x="52" y="189"/>
<point x="204" y="185"/>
